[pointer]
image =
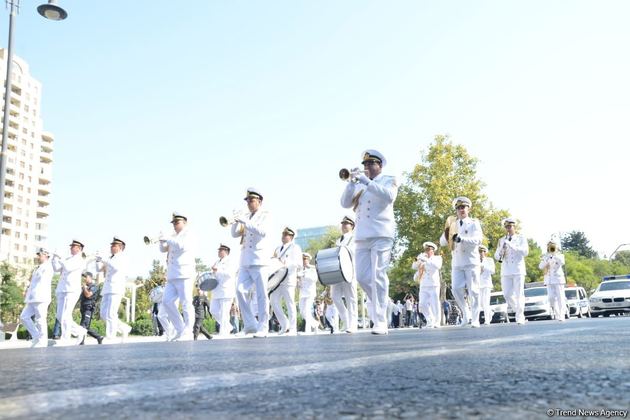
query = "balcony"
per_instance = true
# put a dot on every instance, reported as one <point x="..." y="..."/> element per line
<point x="41" y="203"/>
<point x="42" y="192"/>
<point x="45" y="158"/>
<point x="48" y="137"/>
<point x="43" y="181"/>
<point x="41" y="214"/>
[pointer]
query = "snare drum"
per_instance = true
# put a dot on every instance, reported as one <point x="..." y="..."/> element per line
<point x="276" y="279"/>
<point x="334" y="265"/>
<point x="207" y="281"/>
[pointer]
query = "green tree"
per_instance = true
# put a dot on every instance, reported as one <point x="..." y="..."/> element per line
<point x="424" y="202"/>
<point x="200" y="267"/>
<point x="531" y="264"/>
<point x="11" y="294"/>
<point x="576" y="241"/>
<point x="622" y="257"/>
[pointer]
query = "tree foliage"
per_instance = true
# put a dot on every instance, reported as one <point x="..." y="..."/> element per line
<point x="445" y="171"/>
<point x="577" y="242"/>
<point x="11" y="294"/>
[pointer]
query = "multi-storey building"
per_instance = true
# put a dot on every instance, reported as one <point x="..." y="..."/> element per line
<point x="28" y="168"/>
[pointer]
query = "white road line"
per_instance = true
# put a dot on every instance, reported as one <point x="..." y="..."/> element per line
<point x="54" y="401"/>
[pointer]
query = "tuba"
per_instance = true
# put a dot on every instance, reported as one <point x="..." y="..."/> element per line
<point x="451" y="228"/>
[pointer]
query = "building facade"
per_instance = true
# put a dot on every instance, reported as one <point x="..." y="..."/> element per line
<point x="28" y="168"/>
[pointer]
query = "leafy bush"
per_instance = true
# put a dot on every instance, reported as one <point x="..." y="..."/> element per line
<point x="142" y="327"/>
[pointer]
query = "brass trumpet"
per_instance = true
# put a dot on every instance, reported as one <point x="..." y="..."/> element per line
<point x="149" y="241"/>
<point x="350" y="175"/>
<point x="225" y="222"/>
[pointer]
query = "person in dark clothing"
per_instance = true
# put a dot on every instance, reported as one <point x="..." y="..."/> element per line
<point x="89" y="296"/>
<point x="202" y="307"/>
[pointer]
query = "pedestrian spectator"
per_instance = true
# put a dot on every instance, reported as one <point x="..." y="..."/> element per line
<point x="88" y="299"/>
<point x="446" y="307"/>
<point x="201" y="308"/>
<point x="408" y="309"/>
<point x="234" y="318"/>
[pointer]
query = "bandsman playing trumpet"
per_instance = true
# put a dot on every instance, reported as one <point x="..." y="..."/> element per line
<point x="253" y="228"/>
<point x="290" y="256"/>
<point x="37" y="299"/>
<point x="485" y="288"/>
<point x="68" y="291"/>
<point x="465" y="265"/>
<point x="225" y="292"/>
<point x="180" y="276"/>
<point x="427" y="266"/>
<point x="348" y="310"/>
<point x="116" y="269"/>
<point x="551" y="263"/>
<point x="511" y="252"/>
<point x="372" y="197"/>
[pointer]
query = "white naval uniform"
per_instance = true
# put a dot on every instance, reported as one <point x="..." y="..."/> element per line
<point x="348" y="311"/>
<point x="429" y="295"/>
<point x="157" y="296"/>
<point x="180" y="276"/>
<point x="290" y="255"/>
<point x="332" y="315"/>
<point x="37" y="299"/>
<point x="513" y="273"/>
<point x="223" y="295"/>
<point x="485" y="287"/>
<point x="256" y="253"/>
<point x="116" y="269"/>
<point x="308" y="291"/>
<point x="555" y="281"/>
<point x="374" y="239"/>
<point x="68" y="292"/>
<point x="465" y="268"/>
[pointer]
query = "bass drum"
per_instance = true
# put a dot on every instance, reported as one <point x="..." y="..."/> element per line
<point x="207" y="281"/>
<point x="276" y="279"/>
<point x="334" y="265"/>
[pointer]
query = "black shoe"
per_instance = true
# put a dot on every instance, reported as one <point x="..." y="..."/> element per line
<point x="82" y="342"/>
<point x="100" y="340"/>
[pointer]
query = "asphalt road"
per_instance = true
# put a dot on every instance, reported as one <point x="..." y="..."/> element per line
<point x="492" y="372"/>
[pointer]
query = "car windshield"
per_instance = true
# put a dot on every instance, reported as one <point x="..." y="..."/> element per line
<point x="614" y="285"/>
<point x="571" y="294"/>
<point x="497" y="300"/>
<point x="536" y="291"/>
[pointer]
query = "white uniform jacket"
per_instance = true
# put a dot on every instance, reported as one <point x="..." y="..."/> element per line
<point x="487" y="270"/>
<point x="290" y="255"/>
<point x="375" y="209"/>
<point x="40" y="288"/>
<point x="256" y="248"/>
<point x="431" y="277"/>
<point x="226" y="279"/>
<point x="346" y="239"/>
<point x="555" y="274"/>
<point x="514" y="259"/>
<point x="116" y="269"/>
<point x="71" y="269"/>
<point x="181" y="250"/>
<point x="466" y="252"/>
<point x="308" y="282"/>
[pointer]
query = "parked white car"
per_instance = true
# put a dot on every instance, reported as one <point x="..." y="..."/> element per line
<point x="537" y="304"/>
<point x="499" y="308"/>
<point x="577" y="301"/>
<point x="611" y="297"/>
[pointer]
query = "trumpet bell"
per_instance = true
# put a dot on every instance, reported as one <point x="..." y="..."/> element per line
<point x="149" y="241"/>
<point x="344" y="174"/>
<point x="224" y="221"/>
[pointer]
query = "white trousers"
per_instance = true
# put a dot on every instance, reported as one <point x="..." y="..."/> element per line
<point x="306" y="310"/>
<point x="286" y="293"/>
<point x="467" y="278"/>
<point x="348" y="311"/>
<point x="372" y="259"/>
<point x="66" y="301"/>
<point x="248" y="277"/>
<point x="220" y="311"/>
<point x="558" y="300"/>
<point x="429" y="301"/>
<point x="484" y="297"/>
<point x="167" y="325"/>
<point x="179" y="290"/>
<point x="37" y="329"/>
<point x="109" y="314"/>
<point x="514" y="291"/>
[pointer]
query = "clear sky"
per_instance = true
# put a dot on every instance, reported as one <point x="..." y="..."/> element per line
<point x="159" y="106"/>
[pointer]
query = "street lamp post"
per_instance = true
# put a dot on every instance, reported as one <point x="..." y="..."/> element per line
<point x="49" y="11"/>
<point x="615" y="251"/>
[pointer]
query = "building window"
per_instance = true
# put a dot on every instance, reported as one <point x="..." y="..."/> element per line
<point x="17" y="234"/>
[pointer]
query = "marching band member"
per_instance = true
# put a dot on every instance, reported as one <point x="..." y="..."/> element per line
<point x="225" y="292"/>
<point x="37" y="300"/>
<point x="511" y="252"/>
<point x="290" y="255"/>
<point x="485" y="286"/>
<point x="308" y="292"/>
<point x="68" y="291"/>
<point x="428" y="267"/>
<point x="180" y="275"/>
<point x="464" y="236"/>
<point x="115" y="268"/>
<point x="253" y="229"/>
<point x="372" y="196"/>
<point x="348" y="311"/>
<point x="551" y="263"/>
